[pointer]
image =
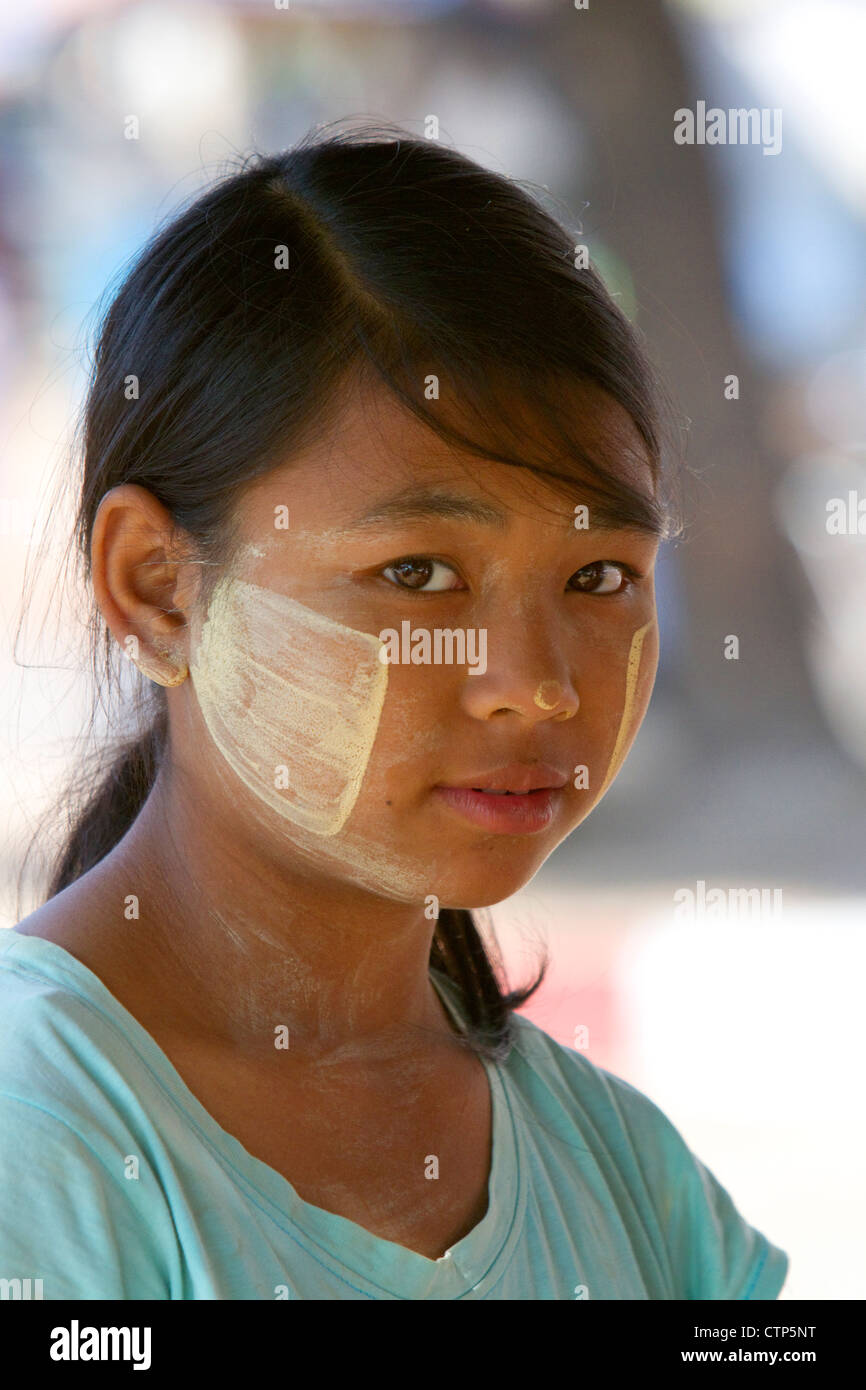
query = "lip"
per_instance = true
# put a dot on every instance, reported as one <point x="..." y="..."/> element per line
<point x="536" y="791"/>
<point x="521" y="814"/>
<point x="515" y="777"/>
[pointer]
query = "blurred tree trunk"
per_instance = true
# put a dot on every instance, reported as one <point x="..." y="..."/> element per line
<point x="658" y="205"/>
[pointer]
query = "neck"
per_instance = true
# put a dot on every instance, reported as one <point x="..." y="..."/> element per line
<point x="238" y="944"/>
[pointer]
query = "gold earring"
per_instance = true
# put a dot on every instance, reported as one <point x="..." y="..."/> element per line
<point x="177" y="676"/>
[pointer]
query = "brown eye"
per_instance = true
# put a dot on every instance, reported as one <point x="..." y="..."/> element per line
<point x="415" y="572"/>
<point x="591" y="580"/>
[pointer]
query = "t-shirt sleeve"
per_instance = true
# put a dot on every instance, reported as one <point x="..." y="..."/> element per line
<point x="719" y="1254"/>
<point x="713" y="1251"/>
<point x="65" y="1218"/>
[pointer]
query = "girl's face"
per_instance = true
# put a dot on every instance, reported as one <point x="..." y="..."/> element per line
<point x="312" y="751"/>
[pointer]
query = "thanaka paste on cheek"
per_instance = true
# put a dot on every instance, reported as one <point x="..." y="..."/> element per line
<point x="364" y="854"/>
<point x="291" y="698"/>
<point x="631" y="679"/>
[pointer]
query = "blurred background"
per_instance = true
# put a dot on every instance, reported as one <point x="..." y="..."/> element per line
<point x="746" y="270"/>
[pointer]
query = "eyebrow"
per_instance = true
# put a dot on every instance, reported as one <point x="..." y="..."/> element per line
<point x="415" y="503"/>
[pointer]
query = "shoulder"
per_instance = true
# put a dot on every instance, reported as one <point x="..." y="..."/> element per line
<point x="53" y="1015"/>
<point x="63" y="1048"/>
<point x="561" y="1076"/>
<point x="569" y="1075"/>
<point x="640" y="1153"/>
<point x="561" y="1083"/>
<point x="68" y="1129"/>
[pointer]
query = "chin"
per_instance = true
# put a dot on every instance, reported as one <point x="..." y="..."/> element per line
<point x="490" y="885"/>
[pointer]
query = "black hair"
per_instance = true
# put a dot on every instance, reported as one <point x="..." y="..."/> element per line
<point x="405" y="258"/>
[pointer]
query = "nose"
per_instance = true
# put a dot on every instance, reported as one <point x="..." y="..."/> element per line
<point x="527" y="674"/>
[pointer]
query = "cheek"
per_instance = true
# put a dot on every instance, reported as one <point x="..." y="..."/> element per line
<point x="639" y="677"/>
<point x="416" y="725"/>
<point x="292" y="699"/>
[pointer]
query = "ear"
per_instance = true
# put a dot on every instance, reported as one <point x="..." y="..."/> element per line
<point x="144" y="581"/>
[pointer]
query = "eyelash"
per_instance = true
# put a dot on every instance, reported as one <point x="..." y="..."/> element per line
<point x="630" y="574"/>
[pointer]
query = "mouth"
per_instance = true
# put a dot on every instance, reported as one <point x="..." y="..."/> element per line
<point x="514" y="800"/>
<point x="491" y="791"/>
<point x="516" y="779"/>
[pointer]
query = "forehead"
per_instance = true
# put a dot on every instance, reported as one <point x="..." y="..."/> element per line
<point x="372" y="445"/>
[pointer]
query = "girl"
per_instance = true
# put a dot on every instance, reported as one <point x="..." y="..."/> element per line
<point x="373" y="489"/>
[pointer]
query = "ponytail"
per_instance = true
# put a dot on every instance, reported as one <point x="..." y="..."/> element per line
<point x="112" y="807"/>
<point x="459" y="952"/>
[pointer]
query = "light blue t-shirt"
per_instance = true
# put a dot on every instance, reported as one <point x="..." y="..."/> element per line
<point x="593" y="1192"/>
